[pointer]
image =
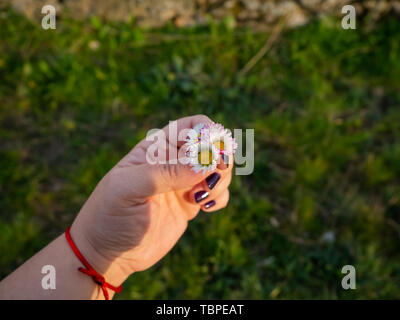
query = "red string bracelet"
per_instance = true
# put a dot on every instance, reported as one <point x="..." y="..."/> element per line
<point x="98" y="278"/>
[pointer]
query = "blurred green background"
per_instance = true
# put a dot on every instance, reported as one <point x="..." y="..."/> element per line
<point x="324" y="103"/>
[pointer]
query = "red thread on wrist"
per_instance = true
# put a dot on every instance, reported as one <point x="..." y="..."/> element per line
<point x="98" y="278"/>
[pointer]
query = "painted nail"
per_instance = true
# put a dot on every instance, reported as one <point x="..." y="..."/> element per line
<point x="212" y="179"/>
<point x="209" y="204"/>
<point x="200" y="195"/>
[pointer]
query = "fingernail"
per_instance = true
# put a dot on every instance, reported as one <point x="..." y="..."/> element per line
<point x="200" y="195"/>
<point x="209" y="204"/>
<point x="212" y="179"/>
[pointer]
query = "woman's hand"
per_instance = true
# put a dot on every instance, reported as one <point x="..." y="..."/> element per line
<point x="138" y="211"/>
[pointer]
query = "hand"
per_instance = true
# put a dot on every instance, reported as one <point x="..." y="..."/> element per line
<point x="138" y="211"/>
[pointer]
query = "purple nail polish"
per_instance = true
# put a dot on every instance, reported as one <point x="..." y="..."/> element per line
<point x="213" y="179"/>
<point x="209" y="204"/>
<point x="200" y="195"/>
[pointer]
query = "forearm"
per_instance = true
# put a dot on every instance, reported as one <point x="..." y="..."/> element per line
<point x="26" y="281"/>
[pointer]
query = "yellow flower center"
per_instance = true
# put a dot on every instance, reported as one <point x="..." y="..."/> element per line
<point x="219" y="145"/>
<point x="205" y="157"/>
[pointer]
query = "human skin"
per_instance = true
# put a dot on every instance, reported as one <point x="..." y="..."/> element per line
<point x="132" y="219"/>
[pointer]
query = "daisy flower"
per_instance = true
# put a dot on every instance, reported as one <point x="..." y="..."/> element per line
<point x="206" y="143"/>
<point x="199" y="133"/>
<point x="202" y="157"/>
<point x="222" y="139"/>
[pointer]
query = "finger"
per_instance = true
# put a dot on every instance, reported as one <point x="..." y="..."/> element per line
<point x="217" y="203"/>
<point x="173" y="134"/>
<point x="211" y="187"/>
<point x="177" y="138"/>
<point x="225" y="161"/>
<point x="146" y="180"/>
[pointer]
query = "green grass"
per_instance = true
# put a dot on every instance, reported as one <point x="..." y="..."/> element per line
<point x="324" y="105"/>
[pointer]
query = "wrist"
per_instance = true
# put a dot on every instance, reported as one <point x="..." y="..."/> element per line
<point x="113" y="272"/>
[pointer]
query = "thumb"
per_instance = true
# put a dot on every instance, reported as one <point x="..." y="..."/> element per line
<point x="151" y="179"/>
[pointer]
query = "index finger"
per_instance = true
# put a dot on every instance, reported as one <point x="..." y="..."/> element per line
<point x="172" y="134"/>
